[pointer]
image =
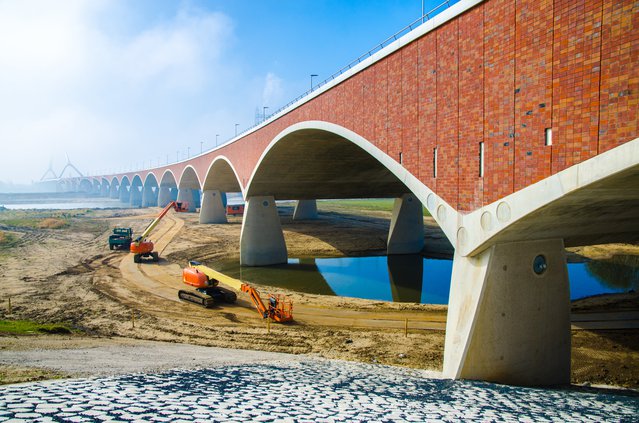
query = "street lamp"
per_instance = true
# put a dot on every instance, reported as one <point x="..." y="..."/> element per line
<point x="201" y="146"/>
<point x="216" y="137"/>
<point x="312" y="75"/>
<point x="188" y="152"/>
<point x="177" y="156"/>
<point x="236" y="125"/>
<point x="264" y="112"/>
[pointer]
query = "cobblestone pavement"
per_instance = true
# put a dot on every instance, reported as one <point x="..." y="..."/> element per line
<point x="309" y="390"/>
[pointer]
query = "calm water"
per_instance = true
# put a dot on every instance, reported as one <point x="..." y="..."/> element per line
<point x="413" y="278"/>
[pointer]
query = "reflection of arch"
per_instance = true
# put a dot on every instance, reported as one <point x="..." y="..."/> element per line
<point x="222" y="176"/>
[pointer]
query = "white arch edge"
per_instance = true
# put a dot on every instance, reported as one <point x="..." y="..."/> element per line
<point x="445" y="215"/>
<point x="227" y="160"/>
<point x="172" y="174"/>
<point x="197" y="178"/>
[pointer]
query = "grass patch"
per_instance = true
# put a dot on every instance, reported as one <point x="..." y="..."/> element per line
<point x="52" y="223"/>
<point x="27" y="327"/>
<point x="368" y="204"/>
<point x="14" y="374"/>
<point x="6" y="238"/>
<point x="36" y="223"/>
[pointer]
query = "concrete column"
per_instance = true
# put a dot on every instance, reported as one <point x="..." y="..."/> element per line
<point x="164" y="196"/>
<point x="185" y="196"/>
<point x="136" y="197"/>
<point x="149" y="198"/>
<point x="305" y="210"/>
<point x="113" y="192"/>
<point x="406" y="234"/>
<point x="212" y="210"/>
<point x="509" y="315"/>
<point x="262" y="240"/>
<point x="197" y="199"/>
<point x="174" y="194"/>
<point x="104" y="190"/>
<point x="125" y="195"/>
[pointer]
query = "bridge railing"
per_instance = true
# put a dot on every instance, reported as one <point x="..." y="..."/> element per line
<point x="421" y="20"/>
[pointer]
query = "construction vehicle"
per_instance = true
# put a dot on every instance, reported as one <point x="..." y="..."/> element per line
<point x="141" y="247"/>
<point x="120" y="238"/>
<point x="235" y="210"/>
<point x="207" y="292"/>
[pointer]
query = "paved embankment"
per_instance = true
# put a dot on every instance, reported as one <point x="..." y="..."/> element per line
<point x="257" y="386"/>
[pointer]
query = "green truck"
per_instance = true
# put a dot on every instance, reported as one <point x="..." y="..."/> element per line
<point x="120" y="239"/>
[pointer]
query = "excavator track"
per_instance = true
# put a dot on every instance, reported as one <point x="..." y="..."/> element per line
<point x="198" y="298"/>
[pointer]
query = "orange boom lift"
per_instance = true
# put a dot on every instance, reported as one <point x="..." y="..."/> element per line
<point x="207" y="292"/>
<point x="140" y="246"/>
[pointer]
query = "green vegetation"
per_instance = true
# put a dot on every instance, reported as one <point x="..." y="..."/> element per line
<point x="13" y="374"/>
<point x="6" y="238"/>
<point x="36" y="220"/>
<point x="26" y="327"/>
<point x="368" y="204"/>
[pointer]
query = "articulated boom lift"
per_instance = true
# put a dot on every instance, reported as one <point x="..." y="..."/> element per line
<point x="143" y="248"/>
<point x="206" y="281"/>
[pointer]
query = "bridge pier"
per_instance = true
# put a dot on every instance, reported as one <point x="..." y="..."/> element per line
<point x="305" y="210"/>
<point x="124" y="193"/>
<point x="262" y="240"/>
<point x="212" y="210"/>
<point x="406" y="234"/>
<point x="509" y="315"/>
<point x="185" y="195"/>
<point x="197" y="199"/>
<point x="174" y="194"/>
<point x="104" y="190"/>
<point x="113" y="191"/>
<point x="164" y="196"/>
<point x="136" y="196"/>
<point x="149" y="197"/>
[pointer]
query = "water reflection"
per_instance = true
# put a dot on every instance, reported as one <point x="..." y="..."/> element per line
<point x="618" y="272"/>
<point x="413" y="278"/>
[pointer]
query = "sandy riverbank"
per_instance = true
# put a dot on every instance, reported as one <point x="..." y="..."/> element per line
<point x="69" y="275"/>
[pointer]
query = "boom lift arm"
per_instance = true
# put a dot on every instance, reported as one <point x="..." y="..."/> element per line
<point x="143" y="248"/>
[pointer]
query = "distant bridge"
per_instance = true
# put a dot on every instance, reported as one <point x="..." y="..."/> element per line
<point x="513" y="123"/>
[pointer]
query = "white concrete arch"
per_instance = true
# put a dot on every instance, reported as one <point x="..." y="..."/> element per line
<point x="124" y="193"/>
<point x="445" y="215"/>
<point x="221" y="175"/>
<point x="135" y="199"/>
<point x="150" y="191"/>
<point x="189" y="188"/>
<point x="168" y="190"/>
<point x="168" y="179"/>
<point x="114" y="186"/>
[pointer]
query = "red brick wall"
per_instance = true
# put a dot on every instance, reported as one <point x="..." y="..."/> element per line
<point x="501" y="73"/>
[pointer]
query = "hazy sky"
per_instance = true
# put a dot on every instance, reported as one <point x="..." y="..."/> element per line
<point x="115" y="83"/>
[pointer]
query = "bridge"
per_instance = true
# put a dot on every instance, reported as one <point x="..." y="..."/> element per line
<point x="513" y="123"/>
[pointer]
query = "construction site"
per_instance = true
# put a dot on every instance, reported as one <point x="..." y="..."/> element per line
<point x="157" y="283"/>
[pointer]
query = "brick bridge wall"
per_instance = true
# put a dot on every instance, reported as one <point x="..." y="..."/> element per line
<point x="500" y="73"/>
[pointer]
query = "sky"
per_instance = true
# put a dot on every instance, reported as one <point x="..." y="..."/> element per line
<point x="121" y="84"/>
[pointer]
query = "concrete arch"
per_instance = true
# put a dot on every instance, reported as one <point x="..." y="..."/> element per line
<point x="189" y="188"/>
<point x="136" y="191"/>
<point x="85" y="185"/>
<point x="124" y="192"/>
<point x="114" y="186"/>
<point x="168" y="188"/>
<point x="150" y="191"/>
<point x="338" y="154"/>
<point x="221" y="177"/>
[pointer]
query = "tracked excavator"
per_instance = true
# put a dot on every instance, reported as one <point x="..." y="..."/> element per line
<point x="143" y="248"/>
<point x="207" y="292"/>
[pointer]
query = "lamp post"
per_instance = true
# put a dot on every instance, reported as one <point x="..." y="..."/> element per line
<point x="236" y="125"/>
<point x="312" y="76"/>
<point x="201" y="146"/>
<point x="216" y="137"/>
<point x="188" y="152"/>
<point x="177" y="156"/>
<point x="264" y="112"/>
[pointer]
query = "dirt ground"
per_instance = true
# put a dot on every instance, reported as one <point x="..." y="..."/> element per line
<point x="69" y="275"/>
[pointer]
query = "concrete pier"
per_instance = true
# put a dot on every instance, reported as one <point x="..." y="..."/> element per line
<point x="262" y="241"/>
<point x="509" y="315"/>
<point x="164" y="196"/>
<point x="406" y="234"/>
<point x="305" y="210"/>
<point x="149" y="196"/>
<point x="212" y="210"/>
<point x="185" y="196"/>
<point x="136" y="196"/>
<point x="113" y="191"/>
<point x="124" y="193"/>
